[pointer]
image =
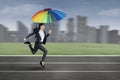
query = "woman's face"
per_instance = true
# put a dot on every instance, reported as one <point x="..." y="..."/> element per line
<point x="42" y="27"/>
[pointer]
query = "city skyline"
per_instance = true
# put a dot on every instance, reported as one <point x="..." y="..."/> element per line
<point x="99" y="12"/>
<point x="84" y="33"/>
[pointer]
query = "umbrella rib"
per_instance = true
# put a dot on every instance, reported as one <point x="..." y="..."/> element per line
<point x="48" y="16"/>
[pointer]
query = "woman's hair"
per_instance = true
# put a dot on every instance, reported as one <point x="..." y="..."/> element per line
<point x="40" y="24"/>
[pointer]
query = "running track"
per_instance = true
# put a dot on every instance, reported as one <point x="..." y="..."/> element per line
<point x="60" y="68"/>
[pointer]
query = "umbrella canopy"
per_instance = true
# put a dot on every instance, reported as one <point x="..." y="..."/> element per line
<point x="48" y="16"/>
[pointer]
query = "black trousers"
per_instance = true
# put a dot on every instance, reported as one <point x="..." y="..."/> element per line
<point x="37" y="46"/>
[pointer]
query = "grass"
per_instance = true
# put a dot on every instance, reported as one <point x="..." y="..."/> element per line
<point x="62" y="49"/>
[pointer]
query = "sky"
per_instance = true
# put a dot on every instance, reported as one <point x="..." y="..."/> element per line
<point x="99" y="12"/>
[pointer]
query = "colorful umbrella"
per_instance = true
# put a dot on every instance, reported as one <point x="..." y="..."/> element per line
<point x="48" y="16"/>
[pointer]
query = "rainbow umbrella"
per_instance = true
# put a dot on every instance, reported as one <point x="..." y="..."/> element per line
<point x="48" y="15"/>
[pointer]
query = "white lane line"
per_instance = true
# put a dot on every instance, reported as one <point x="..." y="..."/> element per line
<point x="59" y="71"/>
<point x="60" y="55"/>
<point x="74" y="63"/>
<point x="82" y="62"/>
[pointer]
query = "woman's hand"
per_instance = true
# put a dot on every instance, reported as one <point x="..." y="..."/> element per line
<point x="25" y="39"/>
<point x="50" y="32"/>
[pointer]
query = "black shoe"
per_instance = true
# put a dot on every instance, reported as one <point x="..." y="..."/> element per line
<point x="42" y="64"/>
<point x="27" y="42"/>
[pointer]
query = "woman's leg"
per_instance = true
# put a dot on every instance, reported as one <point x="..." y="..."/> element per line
<point x="34" y="50"/>
<point x="44" y="50"/>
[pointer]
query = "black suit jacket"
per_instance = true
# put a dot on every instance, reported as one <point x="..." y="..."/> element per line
<point x="37" y="36"/>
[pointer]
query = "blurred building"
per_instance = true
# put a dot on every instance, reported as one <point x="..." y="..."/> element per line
<point x="98" y="36"/>
<point x="70" y="30"/>
<point x="22" y="31"/>
<point x="119" y="39"/>
<point x="7" y="36"/>
<point x="81" y="29"/>
<point x="79" y="32"/>
<point x="3" y="33"/>
<point x="103" y="34"/>
<point x="12" y="37"/>
<point x="91" y="35"/>
<point x="63" y="37"/>
<point x="113" y="36"/>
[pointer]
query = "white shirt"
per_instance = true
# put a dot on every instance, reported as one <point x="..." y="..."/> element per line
<point x="42" y="35"/>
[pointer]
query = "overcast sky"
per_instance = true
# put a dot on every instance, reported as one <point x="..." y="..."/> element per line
<point x="99" y="12"/>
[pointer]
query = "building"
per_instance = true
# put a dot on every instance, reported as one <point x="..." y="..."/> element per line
<point x="113" y="36"/>
<point x="22" y="31"/>
<point x="7" y="36"/>
<point x="63" y="37"/>
<point x="12" y="36"/>
<point x="3" y="33"/>
<point x="81" y="29"/>
<point x="98" y="36"/>
<point x="92" y="34"/>
<point x="103" y="34"/>
<point x="70" y="30"/>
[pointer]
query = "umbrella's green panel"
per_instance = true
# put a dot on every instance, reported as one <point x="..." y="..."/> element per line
<point x="53" y="18"/>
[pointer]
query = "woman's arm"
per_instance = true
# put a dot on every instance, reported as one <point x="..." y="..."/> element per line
<point x="49" y="32"/>
<point x="30" y="35"/>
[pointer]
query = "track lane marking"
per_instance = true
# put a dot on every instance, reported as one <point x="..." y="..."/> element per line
<point x="60" y="63"/>
<point x="60" y="71"/>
